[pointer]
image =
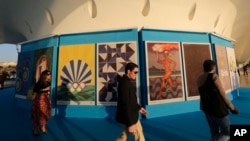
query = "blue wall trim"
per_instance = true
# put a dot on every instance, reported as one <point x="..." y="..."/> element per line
<point x="244" y="90"/>
<point x="86" y="111"/>
<point x="98" y="37"/>
<point x="175" y="36"/>
<point x="143" y="71"/>
<point x="220" y="41"/>
<point x="39" y="44"/>
<point x="172" y="108"/>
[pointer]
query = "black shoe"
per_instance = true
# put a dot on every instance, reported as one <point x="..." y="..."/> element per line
<point x="35" y="132"/>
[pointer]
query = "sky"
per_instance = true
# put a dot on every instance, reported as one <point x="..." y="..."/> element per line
<point x="8" y="53"/>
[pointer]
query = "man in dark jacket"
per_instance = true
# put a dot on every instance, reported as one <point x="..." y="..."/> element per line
<point x="128" y="107"/>
<point x="214" y="102"/>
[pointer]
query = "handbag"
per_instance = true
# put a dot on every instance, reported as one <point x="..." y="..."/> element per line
<point x="30" y="94"/>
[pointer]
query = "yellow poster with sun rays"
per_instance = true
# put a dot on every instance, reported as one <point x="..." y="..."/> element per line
<point x="76" y="74"/>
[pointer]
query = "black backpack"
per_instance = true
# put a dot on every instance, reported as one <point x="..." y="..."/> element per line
<point x="211" y="100"/>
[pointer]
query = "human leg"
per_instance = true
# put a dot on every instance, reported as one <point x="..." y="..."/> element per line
<point x="213" y="125"/>
<point x="35" y="128"/>
<point x="35" y="124"/>
<point x="34" y="118"/>
<point x="139" y="136"/>
<point x="124" y="134"/>
<point x="44" y="111"/>
<point x="224" y="125"/>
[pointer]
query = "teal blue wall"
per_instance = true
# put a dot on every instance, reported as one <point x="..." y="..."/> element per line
<point x="123" y="35"/>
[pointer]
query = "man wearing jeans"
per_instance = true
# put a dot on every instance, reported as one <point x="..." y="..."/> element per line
<point x="128" y="107"/>
<point x="214" y="102"/>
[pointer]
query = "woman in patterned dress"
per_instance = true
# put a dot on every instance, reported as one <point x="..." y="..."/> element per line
<point x="41" y="105"/>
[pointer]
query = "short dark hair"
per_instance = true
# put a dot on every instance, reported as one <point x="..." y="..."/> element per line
<point x="130" y="66"/>
<point x="208" y="65"/>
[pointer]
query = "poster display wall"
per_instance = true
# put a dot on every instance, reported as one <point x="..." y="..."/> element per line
<point x="223" y="67"/>
<point x="164" y="71"/>
<point x="86" y="69"/>
<point x="194" y="56"/>
<point x="111" y="61"/>
<point x="76" y="75"/>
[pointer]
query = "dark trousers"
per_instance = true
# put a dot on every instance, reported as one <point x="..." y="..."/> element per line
<point x="219" y="127"/>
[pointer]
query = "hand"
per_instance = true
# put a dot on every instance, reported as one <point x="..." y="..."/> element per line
<point x="132" y="129"/>
<point x="143" y="111"/>
<point x="47" y="88"/>
<point x="234" y="111"/>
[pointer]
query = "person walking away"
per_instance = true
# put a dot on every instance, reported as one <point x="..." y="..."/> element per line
<point x="41" y="105"/>
<point x="245" y="70"/>
<point x="214" y="102"/>
<point x="127" y="112"/>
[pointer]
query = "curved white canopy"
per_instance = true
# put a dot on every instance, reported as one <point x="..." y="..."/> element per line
<point x="22" y="20"/>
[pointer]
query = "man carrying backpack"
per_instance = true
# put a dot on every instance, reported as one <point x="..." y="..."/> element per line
<point x="214" y="102"/>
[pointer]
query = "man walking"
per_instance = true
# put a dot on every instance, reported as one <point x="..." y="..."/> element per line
<point x="128" y="107"/>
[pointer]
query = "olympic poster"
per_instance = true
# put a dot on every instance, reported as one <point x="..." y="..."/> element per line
<point x="223" y="67"/>
<point x="112" y="58"/>
<point x="24" y="74"/>
<point x="194" y="56"/>
<point x="233" y="70"/>
<point x="76" y="75"/>
<point x="164" y="71"/>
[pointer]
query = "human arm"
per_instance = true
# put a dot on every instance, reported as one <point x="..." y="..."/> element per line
<point x="229" y="104"/>
<point x="38" y="88"/>
<point x="143" y="111"/>
<point x="46" y="88"/>
<point x="132" y="128"/>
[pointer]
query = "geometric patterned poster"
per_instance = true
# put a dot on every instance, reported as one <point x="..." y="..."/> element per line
<point x="76" y="75"/>
<point x="112" y="58"/>
<point x="194" y="56"/>
<point x="232" y="68"/>
<point x="223" y="67"/>
<point x="164" y="68"/>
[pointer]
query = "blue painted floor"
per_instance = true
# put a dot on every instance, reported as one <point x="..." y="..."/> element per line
<point x="15" y="124"/>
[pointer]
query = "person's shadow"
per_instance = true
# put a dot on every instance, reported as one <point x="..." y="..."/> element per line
<point x="110" y="112"/>
<point x="60" y="108"/>
<point x="111" y="109"/>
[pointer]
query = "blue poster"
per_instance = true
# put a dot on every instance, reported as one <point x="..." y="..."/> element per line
<point x="24" y="73"/>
